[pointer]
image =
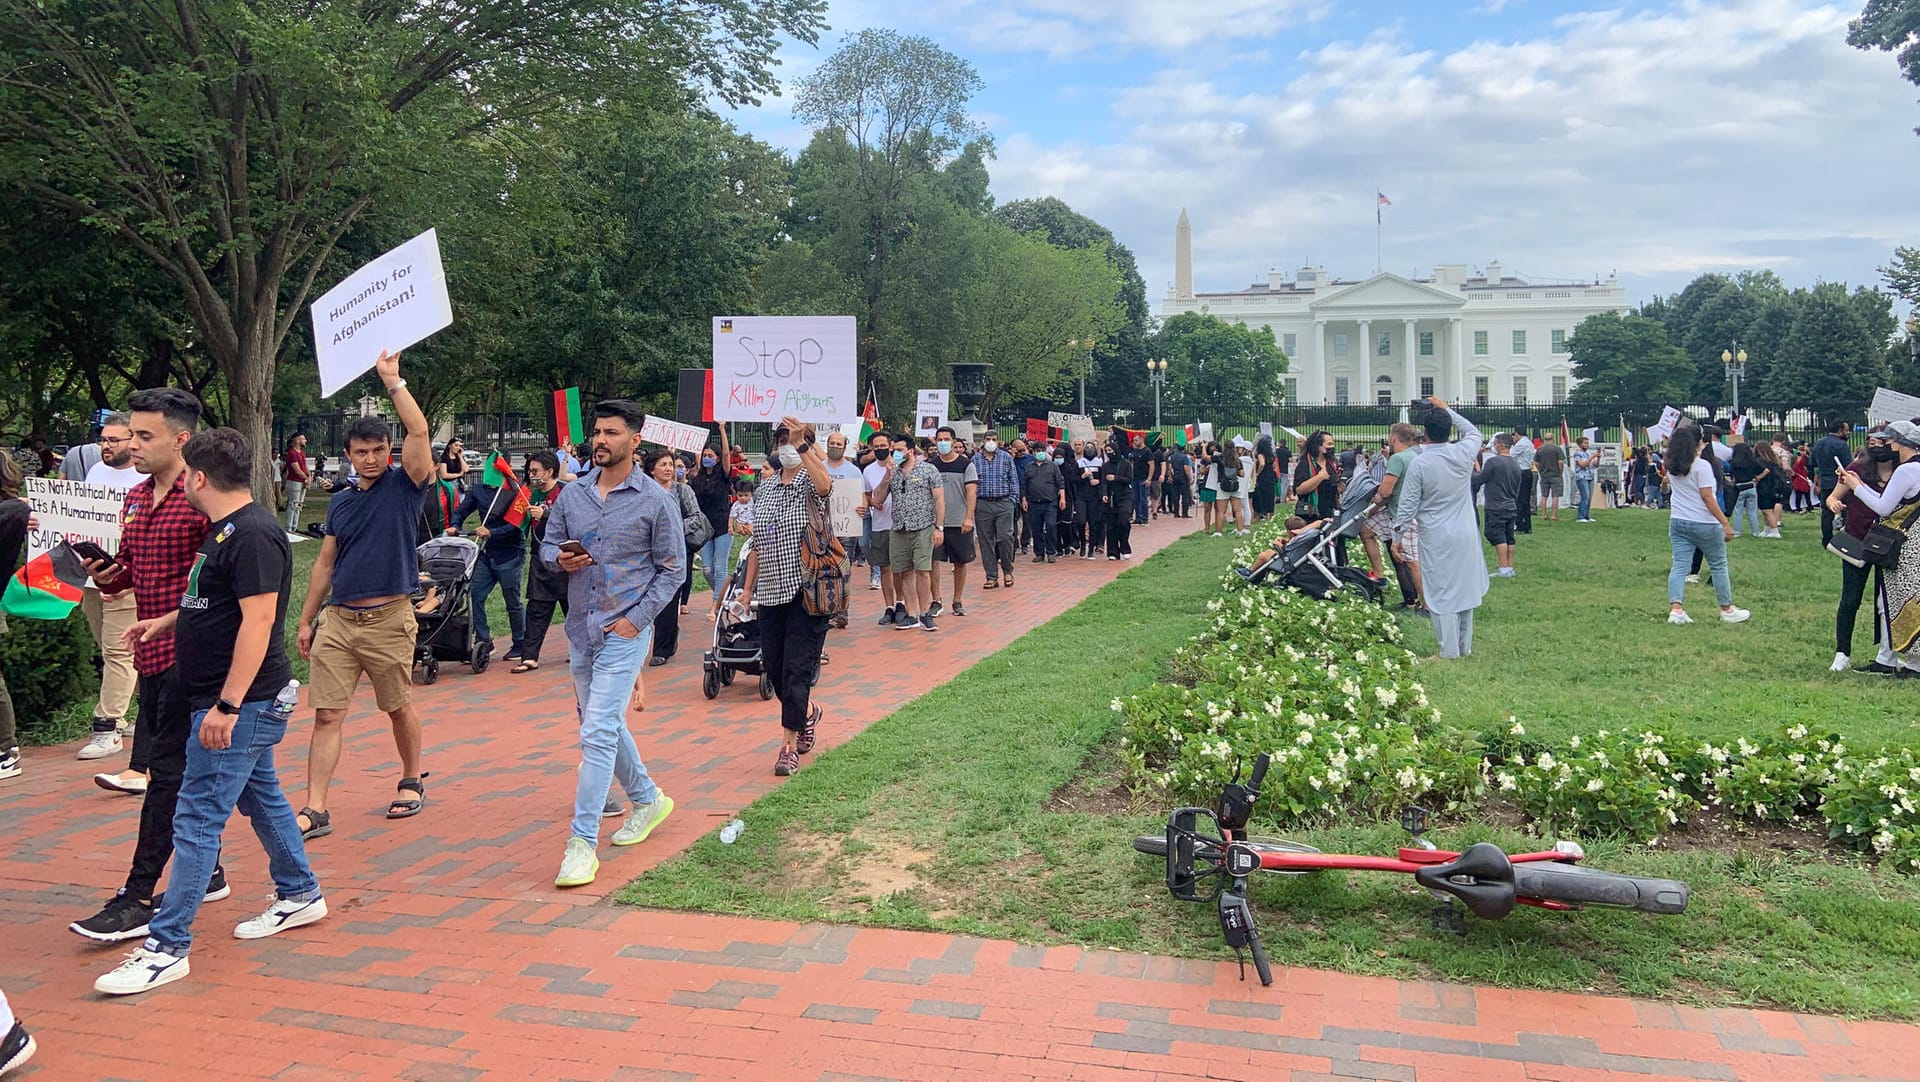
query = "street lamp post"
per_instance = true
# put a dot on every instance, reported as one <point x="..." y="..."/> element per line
<point x="1085" y="344"/>
<point x="1156" y="375"/>
<point x="1735" y="361"/>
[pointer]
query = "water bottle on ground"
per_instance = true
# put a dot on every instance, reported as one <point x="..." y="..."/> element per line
<point x="288" y="696"/>
<point x="731" y="831"/>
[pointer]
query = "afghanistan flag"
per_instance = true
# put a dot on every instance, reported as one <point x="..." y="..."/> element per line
<point x="38" y="592"/>
<point x="563" y="418"/>
<point x="500" y="475"/>
<point x="1186" y="435"/>
<point x="1566" y="434"/>
<point x="870" y="418"/>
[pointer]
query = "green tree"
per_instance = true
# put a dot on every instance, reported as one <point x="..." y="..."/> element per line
<point x="1830" y="356"/>
<point x="1891" y="26"/>
<point x="1220" y="366"/>
<point x="897" y="107"/>
<point x="1627" y="358"/>
<point x="234" y="144"/>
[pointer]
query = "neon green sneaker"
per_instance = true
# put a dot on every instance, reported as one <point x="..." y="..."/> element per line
<point x="644" y="818"/>
<point x="579" y="866"/>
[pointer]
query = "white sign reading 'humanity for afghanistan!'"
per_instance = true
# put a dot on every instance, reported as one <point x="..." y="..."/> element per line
<point x="385" y="306"/>
<point x="769" y="367"/>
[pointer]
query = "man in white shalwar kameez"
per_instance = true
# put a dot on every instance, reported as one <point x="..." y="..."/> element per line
<point x="1437" y="497"/>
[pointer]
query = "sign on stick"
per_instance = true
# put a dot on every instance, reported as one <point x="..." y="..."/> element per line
<point x="930" y="411"/>
<point x="385" y="306"/>
<point x="769" y="367"/>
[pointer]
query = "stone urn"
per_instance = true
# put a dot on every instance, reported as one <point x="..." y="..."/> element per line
<point x="970" y="389"/>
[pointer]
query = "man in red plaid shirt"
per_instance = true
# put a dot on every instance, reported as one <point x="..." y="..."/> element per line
<point x="160" y="534"/>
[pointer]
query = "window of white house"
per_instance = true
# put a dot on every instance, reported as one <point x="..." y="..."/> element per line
<point x="1559" y="388"/>
<point x="1426" y="386"/>
<point x="1519" y="343"/>
<point x="1289" y="343"/>
<point x="1519" y="388"/>
<point x="1339" y="390"/>
<point x="1385" y="346"/>
<point x="1291" y="389"/>
<point x="1339" y="345"/>
<point x="1479" y="390"/>
<point x="1559" y="340"/>
<point x="1426" y="343"/>
<point x="1479" y="343"/>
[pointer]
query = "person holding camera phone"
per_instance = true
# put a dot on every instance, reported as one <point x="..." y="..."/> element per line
<point x="1436" y="495"/>
<point x="618" y="536"/>
<point x="1898" y="505"/>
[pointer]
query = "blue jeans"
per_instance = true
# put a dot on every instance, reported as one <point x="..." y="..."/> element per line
<point x="603" y="685"/>
<point x="505" y="571"/>
<point x="238" y="776"/>
<point x="1140" y="507"/>
<point x="1712" y="543"/>
<point x="1583" y="487"/>
<point x="713" y="556"/>
<point x="1747" y="503"/>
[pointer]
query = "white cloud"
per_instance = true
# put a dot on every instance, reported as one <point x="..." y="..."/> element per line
<point x="1698" y="137"/>
<point x="1062" y="27"/>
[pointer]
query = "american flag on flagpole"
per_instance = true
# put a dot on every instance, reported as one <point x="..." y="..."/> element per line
<point x="1381" y="200"/>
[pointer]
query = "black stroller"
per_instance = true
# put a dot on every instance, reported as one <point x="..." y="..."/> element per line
<point x="736" y="642"/>
<point x="1307" y="563"/>
<point x="446" y="633"/>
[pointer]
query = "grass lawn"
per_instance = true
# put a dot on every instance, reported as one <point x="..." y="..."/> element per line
<point x="1025" y="833"/>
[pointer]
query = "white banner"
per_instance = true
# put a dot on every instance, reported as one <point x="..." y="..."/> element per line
<point x="769" y="367"/>
<point x="1079" y="427"/>
<point x="1892" y="406"/>
<point x="387" y="305"/>
<point x="930" y="411"/>
<point x="673" y="434"/>
<point x="1297" y="436"/>
<point x="845" y="506"/>
<point x="1669" y="419"/>
<point x="1206" y="431"/>
<point x="73" y="511"/>
<point x="849" y="429"/>
<point x="1057" y="419"/>
<point x="1266" y="429"/>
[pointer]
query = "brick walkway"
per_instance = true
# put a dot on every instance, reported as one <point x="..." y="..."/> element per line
<point x="450" y="956"/>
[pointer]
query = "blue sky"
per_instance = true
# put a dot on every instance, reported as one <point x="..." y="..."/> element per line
<point x="1660" y="139"/>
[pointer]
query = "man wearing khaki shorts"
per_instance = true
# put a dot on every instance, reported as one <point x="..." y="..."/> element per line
<point x="358" y="617"/>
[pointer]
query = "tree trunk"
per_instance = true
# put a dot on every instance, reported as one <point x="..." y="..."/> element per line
<point x="250" y="395"/>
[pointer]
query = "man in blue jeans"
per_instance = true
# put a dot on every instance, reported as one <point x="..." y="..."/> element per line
<point x="619" y="538"/>
<point x="502" y="562"/>
<point x="1585" y="462"/>
<point x="231" y="672"/>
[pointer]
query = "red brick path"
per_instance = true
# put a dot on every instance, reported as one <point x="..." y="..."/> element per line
<point x="450" y="956"/>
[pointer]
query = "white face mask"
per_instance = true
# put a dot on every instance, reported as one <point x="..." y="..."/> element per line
<point x="789" y="456"/>
<point x="990" y="447"/>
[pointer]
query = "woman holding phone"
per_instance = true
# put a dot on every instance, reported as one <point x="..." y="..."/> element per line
<point x="1898" y="505"/>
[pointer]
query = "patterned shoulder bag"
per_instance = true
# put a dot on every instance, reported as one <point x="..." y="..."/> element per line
<point x="824" y="567"/>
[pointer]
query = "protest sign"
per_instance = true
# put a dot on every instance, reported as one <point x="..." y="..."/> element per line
<point x="385" y="306"/>
<point x="673" y="434"/>
<point x="849" y="429"/>
<point x="769" y="367"/>
<point x="845" y="506"/>
<point x="1266" y="429"/>
<point x="1889" y="405"/>
<point x="930" y="411"/>
<point x="1293" y="434"/>
<point x="73" y="511"/>
<point x="1669" y="419"/>
<point x="1056" y="419"/>
<point x="1037" y="429"/>
<point x="1206" y="430"/>
<point x="1079" y="426"/>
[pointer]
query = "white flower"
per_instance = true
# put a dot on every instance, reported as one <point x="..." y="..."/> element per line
<point x="1516" y="728"/>
<point x="1595" y="785"/>
<point x="1798" y="732"/>
<point x="1546" y="761"/>
<point x="1575" y="741"/>
<point x="1405" y="777"/>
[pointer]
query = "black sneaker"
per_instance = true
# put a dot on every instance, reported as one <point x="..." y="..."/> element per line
<point x="900" y="612"/>
<point x="926" y="622"/>
<point x="1244" y="572"/>
<point x="959" y="609"/>
<point x="906" y="623"/>
<point x="886" y="618"/>
<point x="217" y="889"/>
<point x="934" y="609"/>
<point x="16" y="1048"/>
<point x="122" y="918"/>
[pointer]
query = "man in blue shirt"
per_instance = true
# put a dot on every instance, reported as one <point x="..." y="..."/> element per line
<point x="996" y="505"/>
<point x="357" y="617"/>
<point x="1830" y="453"/>
<point x="619" y="538"/>
<point x="502" y="562"/>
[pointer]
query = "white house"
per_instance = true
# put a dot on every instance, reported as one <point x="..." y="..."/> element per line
<point x="1479" y="338"/>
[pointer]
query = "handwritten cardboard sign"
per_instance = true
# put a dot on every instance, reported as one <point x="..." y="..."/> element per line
<point x="844" y="505"/>
<point x="673" y="434"/>
<point x="385" y="306"/>
<point x="769" y="367"/>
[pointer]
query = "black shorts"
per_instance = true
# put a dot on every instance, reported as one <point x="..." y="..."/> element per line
<point x="1500" y="527"/>
<point x="955" y="547"/>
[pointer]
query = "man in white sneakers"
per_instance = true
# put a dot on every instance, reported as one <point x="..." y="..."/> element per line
<point x="232" y="675"/>
<point x="108" y="620"/>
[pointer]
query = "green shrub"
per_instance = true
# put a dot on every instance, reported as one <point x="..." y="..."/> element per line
<point x="1870" y="805"/>
<point x="1778" y="779"/>
<point x="49" y="666"/>
<point x="1605" y="783"/>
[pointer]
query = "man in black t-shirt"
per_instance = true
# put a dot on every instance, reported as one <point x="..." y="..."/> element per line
<point x="231" y="671"/>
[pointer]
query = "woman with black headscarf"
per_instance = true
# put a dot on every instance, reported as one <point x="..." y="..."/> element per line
<point x="1266" y="478"/>
<point x="1116" y="482"/>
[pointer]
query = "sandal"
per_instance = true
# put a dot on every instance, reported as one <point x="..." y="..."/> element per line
<point x="526" y="665"/>
<point x="319" y="824"/>
<point x="408" y="807"/>
<point x="1009" y="580"/>
<point x="992" y="584"/>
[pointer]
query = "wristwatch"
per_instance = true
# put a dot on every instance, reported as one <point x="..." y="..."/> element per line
<point x="806" y="446"/>
<point x="226" y="707"/>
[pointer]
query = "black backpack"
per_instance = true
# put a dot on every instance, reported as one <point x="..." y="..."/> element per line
<point x="1229" y="473"/>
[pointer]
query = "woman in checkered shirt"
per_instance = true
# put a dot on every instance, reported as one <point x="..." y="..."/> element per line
<point x="791" y="638"/>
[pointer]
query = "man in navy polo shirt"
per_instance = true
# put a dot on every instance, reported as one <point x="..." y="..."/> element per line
<point x="357" y="617"/>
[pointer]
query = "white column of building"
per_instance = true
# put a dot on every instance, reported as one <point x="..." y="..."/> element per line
<point x="1412" y="386"/>
<point x="1316" y="388"/>
<point x="1457" y="360"/>
<point x="1363" y="395"/>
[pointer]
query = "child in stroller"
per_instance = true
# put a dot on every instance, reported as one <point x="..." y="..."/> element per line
<point x="736" y="639"/>
<point x="442" y="608"/>
<point x="1305" y="557"/>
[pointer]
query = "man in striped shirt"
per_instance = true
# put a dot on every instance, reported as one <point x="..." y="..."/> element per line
<point x="995" y="505"/>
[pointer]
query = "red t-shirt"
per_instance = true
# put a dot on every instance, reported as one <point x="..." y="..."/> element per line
<point x="296" y="462"/>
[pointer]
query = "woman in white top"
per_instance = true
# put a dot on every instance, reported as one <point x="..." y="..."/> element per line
<point x="1898" y="506"/>
<point x="1697" y="524"/>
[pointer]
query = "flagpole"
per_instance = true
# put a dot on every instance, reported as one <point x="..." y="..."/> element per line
<point x="1376" y="228"/>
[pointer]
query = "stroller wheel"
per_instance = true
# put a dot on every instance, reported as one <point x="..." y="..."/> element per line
<point x="482" y="654"/>
<point x="710" y="682"/>
<point x="766" y="686"/>
<point x="726" y="675"/>
<point x="430" y="672"/>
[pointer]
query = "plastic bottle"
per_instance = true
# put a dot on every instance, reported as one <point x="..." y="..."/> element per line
<point x="289" y="695"/>
<point x="731" y="831"/>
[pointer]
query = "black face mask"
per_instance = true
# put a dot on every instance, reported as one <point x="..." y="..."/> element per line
<point x="1880" y="454"/>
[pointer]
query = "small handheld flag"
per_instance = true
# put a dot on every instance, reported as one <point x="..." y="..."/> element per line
<point x="37" y="592"/>
<point x="563" y="418"/>
<point x="500" y="474"/>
